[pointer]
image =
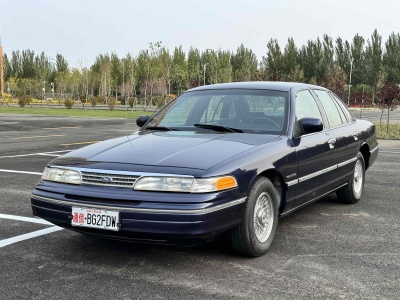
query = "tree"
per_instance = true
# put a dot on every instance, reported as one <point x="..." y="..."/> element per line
<point x="179" y="72"/>
<point x="61" y="64"/>
<point x="166" y="65"/>
<point x="291" y="70"/>
<point x="116" y="73"/>
<point x="358" y="55"/>
<point x="311" y="58"/>
<point x="210" y="65"/>
<point x="130" y="74"/>
<point x="194" y="68"/>
<point x="373" y="61"/>
<point x="27" y="64"/>
<point x="244" y="64"/>
<point x="335" y="80"/>
<point x="143" y="67"/>
<point x="43" y="68"/>
<point x="273" y="62"/>
<point x="224" y="66"/>
<point x="391" y="58"/>
<point x="343" y="55"/>
<point x="7" y="67"/>
<point x="387" y="96"/>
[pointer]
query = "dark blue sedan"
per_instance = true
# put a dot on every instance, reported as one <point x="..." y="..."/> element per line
<point x="224" y="160"/>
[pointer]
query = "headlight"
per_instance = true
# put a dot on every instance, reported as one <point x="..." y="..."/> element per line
<point x="61" y="175"/>
<point x="185" y="184"/>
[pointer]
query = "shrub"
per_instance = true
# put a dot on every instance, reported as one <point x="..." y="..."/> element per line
<point x="160" y="100"/>
<point x="24" y="100"/>
<point x="132" y="101"/>
<point x="121" y="99"/>
<point x="96" y="100"/>
<point x="5" y="99"/>
<point x="68" y="103"/>
<point x="111" y="103"/>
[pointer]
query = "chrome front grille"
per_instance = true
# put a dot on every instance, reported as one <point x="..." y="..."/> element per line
<point x="109" y="179"/>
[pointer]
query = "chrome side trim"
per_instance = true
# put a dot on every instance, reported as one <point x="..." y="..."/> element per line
<point x="293" y="182"/>
<point x="201" y="211"/>
<point x="347" y="162"/>
<point x="304" y="178"/>
<point x="375" y="149"/>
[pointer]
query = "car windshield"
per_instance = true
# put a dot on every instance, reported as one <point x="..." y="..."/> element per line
<point x="230" y="110"/>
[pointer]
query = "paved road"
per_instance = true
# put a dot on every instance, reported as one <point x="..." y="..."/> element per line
<point x="374" y="115"/>
<point x="327" y="250"/>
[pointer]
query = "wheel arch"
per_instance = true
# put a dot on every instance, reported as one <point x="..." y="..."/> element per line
<point x="276" y="179"/>
<point x="364" y="149"/>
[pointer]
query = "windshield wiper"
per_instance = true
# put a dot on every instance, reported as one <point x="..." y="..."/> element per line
<point x="219" y="128"/>
<point x="161" y="128"/>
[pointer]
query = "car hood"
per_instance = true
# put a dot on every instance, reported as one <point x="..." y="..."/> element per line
<point x="170" y="149"/>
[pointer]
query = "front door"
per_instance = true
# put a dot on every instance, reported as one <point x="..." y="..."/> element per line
<point x="316" y="154"/>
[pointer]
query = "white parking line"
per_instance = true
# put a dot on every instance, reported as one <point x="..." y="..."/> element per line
<point x="391" y="152"/>
<point x="30" y="235"/>
<point x="20" y="172"/>
<point x="49" y="153"/>
<point x="25" y="219"/>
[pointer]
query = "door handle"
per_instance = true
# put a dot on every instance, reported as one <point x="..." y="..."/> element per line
<point x="355" y="135"/>
<point x="331" y="143"/>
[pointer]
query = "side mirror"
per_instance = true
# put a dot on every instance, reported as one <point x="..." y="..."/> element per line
<point x="311" y="125"/>
<point x="141" y="120"/>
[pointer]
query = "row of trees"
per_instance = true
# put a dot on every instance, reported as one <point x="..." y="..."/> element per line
<point x="367" y="63"/>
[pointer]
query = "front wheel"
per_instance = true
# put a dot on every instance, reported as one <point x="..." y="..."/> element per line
<point x="352" y="192"/>
<point x="255" y="234"/>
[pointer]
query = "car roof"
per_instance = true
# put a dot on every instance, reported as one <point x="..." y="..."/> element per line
<point x="261" y="85"/>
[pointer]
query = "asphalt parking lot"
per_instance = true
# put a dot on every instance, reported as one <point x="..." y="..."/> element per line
<point x="327" y="250"/>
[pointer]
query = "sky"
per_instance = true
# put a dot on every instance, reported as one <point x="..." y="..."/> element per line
<point x="82" y="29"/>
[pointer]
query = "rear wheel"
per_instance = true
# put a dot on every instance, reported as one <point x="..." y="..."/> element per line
<point x="256" y="232"/>
<point x="352" y="192"/>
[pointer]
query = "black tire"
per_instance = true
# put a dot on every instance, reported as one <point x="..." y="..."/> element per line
<point x="255" y="233"/>
<point x="352" y="192"/>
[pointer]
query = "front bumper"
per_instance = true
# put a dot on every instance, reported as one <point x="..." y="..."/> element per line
<point x="184" y="224"/>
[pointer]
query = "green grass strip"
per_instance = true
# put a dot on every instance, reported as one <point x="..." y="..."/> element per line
<point x="74" y="112"/>
<point x="385" y="132"/>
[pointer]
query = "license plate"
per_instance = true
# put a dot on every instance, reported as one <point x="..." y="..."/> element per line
<point x="95" y="218"/>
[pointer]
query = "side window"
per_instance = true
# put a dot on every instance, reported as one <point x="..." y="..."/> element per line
<point x="306" y="106"/>
<point x="331" y="109"/>
<point x="350" y="117"/>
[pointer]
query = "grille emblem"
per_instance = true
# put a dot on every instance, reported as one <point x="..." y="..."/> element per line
<point x="106" y="179"/>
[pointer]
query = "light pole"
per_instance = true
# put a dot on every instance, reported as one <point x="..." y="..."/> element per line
<point x="44" y="91"/>
<point x="52" y="89"/>
<point x="8" y="88"/>
<point x="204" y="73"/>
<point x="351" y="70"/>
<point x="123" y="81"/>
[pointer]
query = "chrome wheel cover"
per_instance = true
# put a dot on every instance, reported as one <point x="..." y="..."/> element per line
<point x="358" y="179"/>
<point x="263" y="218"/>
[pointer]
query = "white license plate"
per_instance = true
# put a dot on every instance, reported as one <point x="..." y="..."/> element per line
<point x="95" y="218"/>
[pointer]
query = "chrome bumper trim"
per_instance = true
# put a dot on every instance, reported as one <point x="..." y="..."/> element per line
<point x="375" y="149"/>
<point x="201" y="211"/>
